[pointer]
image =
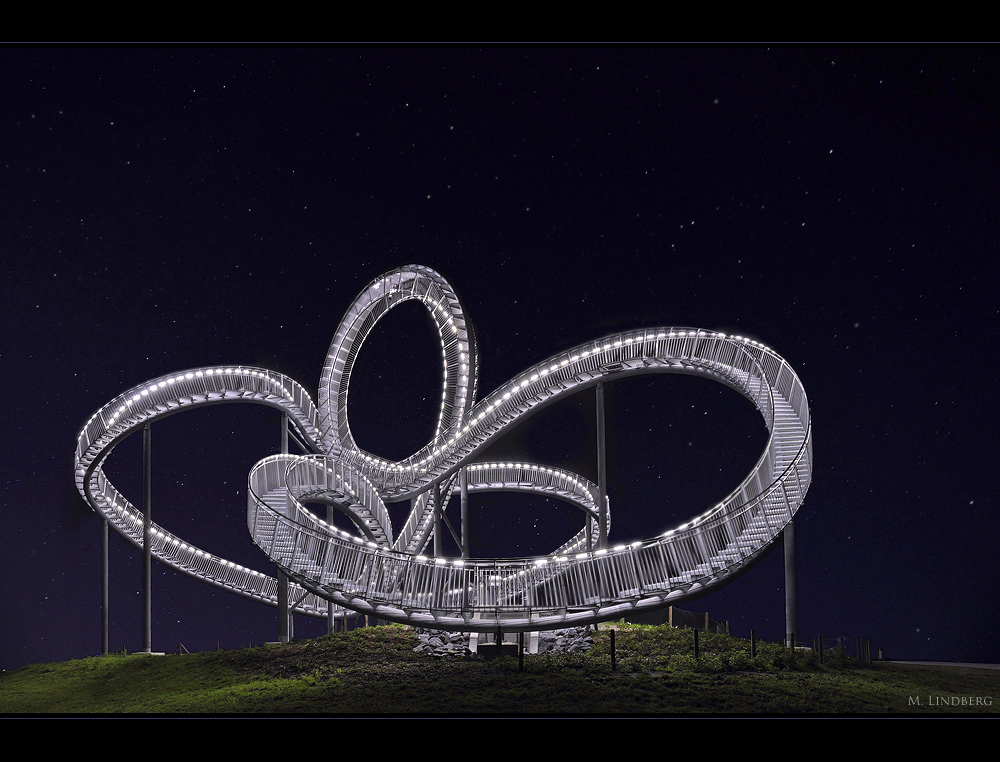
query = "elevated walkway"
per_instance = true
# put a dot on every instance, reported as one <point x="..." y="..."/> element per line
<point x="376" y="571"/>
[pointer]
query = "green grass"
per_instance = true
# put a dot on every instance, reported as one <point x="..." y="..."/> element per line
<point x="374" y="671"/>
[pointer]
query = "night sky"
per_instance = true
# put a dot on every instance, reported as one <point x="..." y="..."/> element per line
<point x="167" y="208"/>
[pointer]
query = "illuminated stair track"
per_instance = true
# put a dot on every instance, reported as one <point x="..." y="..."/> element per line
<point x="373" y="571"/>
<point x="158" y="399"/>
<point x="697" y="556"/>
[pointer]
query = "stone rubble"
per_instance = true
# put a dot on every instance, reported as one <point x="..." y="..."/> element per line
<point x="569" y="640"/>
<point x="440" y="643"/>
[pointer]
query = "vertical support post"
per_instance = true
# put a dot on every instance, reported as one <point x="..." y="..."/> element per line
<point x="105" y="588"/>
<point x="147" y="533"/>
<point x="436" y="497"/>
<point x="602" y="472"/>
<point x="331" y="620"/>
<point x="413" y="507"/>
<point x="463" y="482"/>
<point x="283" y="613"/>
<point x="282" y="607"/>
<point x="791" y="597"/>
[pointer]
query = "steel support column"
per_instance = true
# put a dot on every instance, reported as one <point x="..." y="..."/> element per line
<point x="283" y="613"/>
<point x="147" y="533"/>
<point x="331" y="620"/>
<point x="105" y="589"/>
<point x="791" y="597"/>
<point x="463" y="482"/>
<point x="438" y="540"/>
<point x="602" y="472"/>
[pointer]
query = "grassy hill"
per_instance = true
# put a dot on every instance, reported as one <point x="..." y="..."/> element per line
<point x="375" y="671"/>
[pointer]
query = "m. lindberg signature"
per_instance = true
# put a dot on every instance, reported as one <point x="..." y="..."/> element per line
<point x="951" y="701"/>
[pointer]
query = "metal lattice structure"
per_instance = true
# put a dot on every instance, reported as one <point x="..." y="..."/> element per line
<point x="387" y="574"/>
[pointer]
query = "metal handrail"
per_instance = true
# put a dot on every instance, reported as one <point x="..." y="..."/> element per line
<point x="540" y="589"/>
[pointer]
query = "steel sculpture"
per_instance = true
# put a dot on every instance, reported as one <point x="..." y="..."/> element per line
<point x="386" y="574"/>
